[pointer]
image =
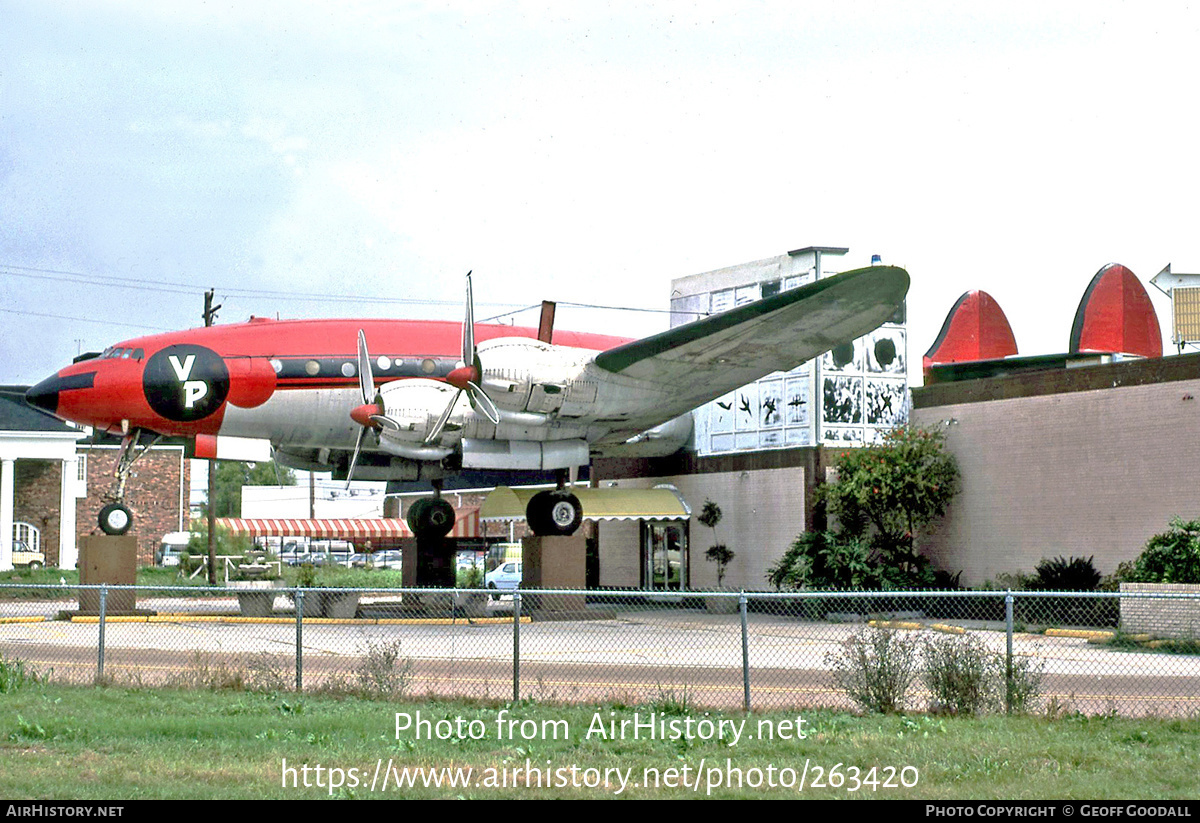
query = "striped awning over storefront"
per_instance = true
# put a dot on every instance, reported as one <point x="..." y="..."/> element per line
<point x="659" y="503"/>
<point x="465" y="526"/>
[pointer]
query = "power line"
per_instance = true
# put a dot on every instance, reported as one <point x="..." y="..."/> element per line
<point x="85" y="320"/>
<point x="143" y="284"/>
<point x="169" y="287"/>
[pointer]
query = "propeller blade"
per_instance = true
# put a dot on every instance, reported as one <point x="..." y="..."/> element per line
<point x="470" y="375"/>
<point x="354" y="457"/>
<point x="436" y="431"/>
<point x="385" y="422"/>
<point x="366" y="378"/>
<point x="468" y="329"/>
<point x="482" y="403"/>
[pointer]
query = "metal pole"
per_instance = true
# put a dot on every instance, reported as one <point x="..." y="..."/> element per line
<point x="103" y="609"/>
<point x="516" y="645"/>
<point x="745" y="655"/>
<point x="299" y="598"/>
<point x="210" y="314"/>
<point x="1008" y="653"/>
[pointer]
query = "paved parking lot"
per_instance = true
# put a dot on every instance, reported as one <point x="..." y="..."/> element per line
<point x="628" y="654"/>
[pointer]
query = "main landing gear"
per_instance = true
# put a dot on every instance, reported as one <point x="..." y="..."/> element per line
<point x="115" y="517"/>
<point x="431" y="516"/>
<point x="554" y="513"/>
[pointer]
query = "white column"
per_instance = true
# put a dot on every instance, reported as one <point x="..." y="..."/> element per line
<point x="68" y="554"/>
<point x="7" y="469"/>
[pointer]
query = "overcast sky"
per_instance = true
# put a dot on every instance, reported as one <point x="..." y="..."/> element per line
<point x="584" y="151"/>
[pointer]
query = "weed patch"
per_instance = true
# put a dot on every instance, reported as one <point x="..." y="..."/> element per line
<point x="877" y="667"/>
<point x="15" y="675"/>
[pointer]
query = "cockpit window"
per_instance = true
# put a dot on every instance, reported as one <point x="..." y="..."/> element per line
<point x="122" y="353"/>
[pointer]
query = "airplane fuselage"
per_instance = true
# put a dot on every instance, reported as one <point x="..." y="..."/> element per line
<point x="293" y="383"/>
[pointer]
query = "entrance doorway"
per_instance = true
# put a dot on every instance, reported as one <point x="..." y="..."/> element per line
<point x="665" y="555"/>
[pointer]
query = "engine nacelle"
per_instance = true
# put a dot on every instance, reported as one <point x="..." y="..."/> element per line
<point x="414" y="406"/>
<point x="662" y="440"/>
<point x="509" y="366"/>
<point x="523" y="454"/>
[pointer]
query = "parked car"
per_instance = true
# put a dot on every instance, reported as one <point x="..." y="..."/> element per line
<point x="170" y="547"/>
<point x="506" y="576"/>
<point x="386" y="559"/>
<point x="22" y="555"/>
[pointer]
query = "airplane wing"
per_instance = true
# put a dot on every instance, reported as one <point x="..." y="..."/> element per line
<point x="706" y="359"/>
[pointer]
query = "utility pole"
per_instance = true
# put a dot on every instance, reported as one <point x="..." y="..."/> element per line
<point x="210" y="314"/>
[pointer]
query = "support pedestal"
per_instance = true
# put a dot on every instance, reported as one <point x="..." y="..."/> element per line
<point x="110" y="559"/>
<point x="554" y="563"/>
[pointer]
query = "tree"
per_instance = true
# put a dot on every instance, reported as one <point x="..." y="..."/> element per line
<point x="1172" y="556"/>
<point x="230" y="476"/>
<point x="884" y="494"/>
<point x="717" y="553"/>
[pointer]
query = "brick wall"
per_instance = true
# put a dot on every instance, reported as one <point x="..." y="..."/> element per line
<point x="153" y="493"/>
<point x="1161" y="617"/>
<point x="37" y="500"/>
<point x="1082" y="473"/>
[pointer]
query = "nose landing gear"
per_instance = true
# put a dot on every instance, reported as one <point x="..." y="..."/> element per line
<point x="115" y="517"/>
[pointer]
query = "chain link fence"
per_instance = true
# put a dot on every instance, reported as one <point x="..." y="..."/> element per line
<point x="1130" y="653"/>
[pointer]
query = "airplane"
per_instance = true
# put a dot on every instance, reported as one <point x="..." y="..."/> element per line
<point x="416" y="400"/>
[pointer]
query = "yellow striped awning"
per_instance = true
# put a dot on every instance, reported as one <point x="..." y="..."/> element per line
<point x="659" y="503"/>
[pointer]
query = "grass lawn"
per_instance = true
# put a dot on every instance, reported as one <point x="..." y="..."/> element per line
<point x="60" y="742"/>
<point x="169" y="577"/>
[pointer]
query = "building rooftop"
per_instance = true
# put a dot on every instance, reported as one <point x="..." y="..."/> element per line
<point x="17" y="415"/>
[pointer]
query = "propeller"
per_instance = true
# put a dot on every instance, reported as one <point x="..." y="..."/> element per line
<point x="467" y="377"/>
<point x="370" y="414"/>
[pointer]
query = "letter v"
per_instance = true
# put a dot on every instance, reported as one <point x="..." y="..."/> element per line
<point x="184" y="369"/>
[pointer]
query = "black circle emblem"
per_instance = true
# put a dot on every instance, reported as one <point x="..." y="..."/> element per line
<point x="185" y="382"/>
<point x="885" y="351"/>
<point x="843" y="355"/>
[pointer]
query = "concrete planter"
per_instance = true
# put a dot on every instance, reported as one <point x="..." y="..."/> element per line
<point x="471" y="604"/>
<point x="1168" y="617"/>
<point x="340" y="605"/>
<point x="256" y="598"/>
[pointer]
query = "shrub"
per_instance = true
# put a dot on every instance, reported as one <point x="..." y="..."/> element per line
<point x="962" y="676"/>
<point x="1024" y="684"/>
<point x="1170" y="557"/>
<point x="470" y="578"/>
<point x="824" y="560"/>
<point x="877" y="668"/>
<point x="381" y="672"/>
<point x="717" y="553"/>
<point x="1078" y="574"/>
<point x="884" y="494"/>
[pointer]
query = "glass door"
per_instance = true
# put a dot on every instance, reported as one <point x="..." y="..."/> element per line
<point x="664" y="556"/>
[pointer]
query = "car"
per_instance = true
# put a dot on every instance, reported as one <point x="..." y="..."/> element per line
<point x="506" y="576"/>
<point x="171" y="546"/>
<point x="469" y="560"/>
<point x="386" y="559"/>
<point x="22" y="555"/>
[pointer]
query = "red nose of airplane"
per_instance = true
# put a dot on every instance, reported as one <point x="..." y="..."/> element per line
<point x="45" y="395"/>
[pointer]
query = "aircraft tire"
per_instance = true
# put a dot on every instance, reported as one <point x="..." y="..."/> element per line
<point x="554" y="513"/>
<point x="413" y="517"/>
<point x="115" y="519"/>
<point x="430" y="517"/>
